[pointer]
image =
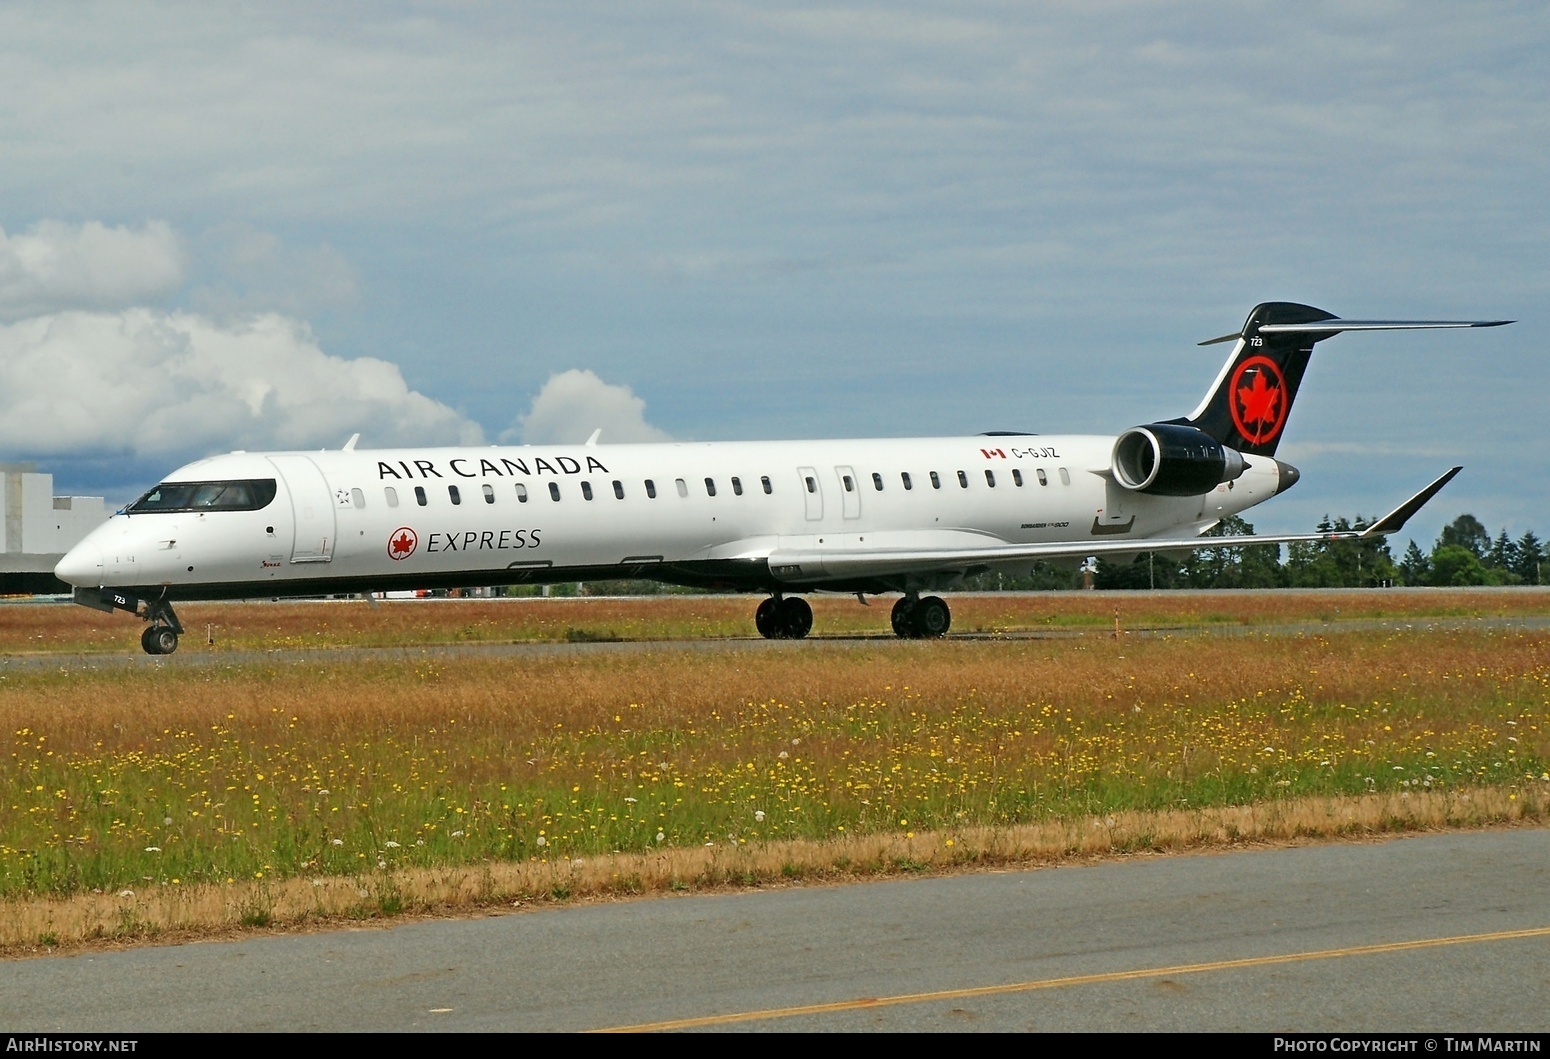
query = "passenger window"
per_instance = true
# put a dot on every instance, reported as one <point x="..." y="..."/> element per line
<point x="1017" y="478"/>
<point x="812" y="486"/>
<point x="905" y="478"/>
<point x="586" y="490"/>
<point x="391" y="495"/>
<point x="1043" y="478"/>
<point x="554" y="490"/>
<point x="936" y="481"/>
<point x="681" y="486"/>
<point x="455" y="496"/>
<point x="963" y="480"/>
<point x="651" y="489"/>
<point x="850" y="486"/>
<point x="419" y="495"/>
<point x="1065" y="476"/>
<point x="357" y="498"/>
<point x="618" y="489"/>
<point x="521" y="493"/>
<point x="710" y="487"/>
<point x="877" y="481"/>
<point x="767" y="487"/>
<point x="737" y="486"/>
<point x="990" y="477"/>
<point x="489" y="493"/>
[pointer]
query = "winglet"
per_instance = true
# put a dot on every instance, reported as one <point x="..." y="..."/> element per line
<point x="349" y="446"/>
<point x="1395" y="519"/>
<point x="595" y="435"/>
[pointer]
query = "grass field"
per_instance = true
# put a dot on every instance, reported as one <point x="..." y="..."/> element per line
<point x="167" y="796"/>
<point x="27" y="628"/>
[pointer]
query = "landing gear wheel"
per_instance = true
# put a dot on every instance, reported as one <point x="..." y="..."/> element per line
<point x="796" y="618"/>
<point x="767" y="618"/>
<point x="931" y="617"/>
<point x="903" y="610"/>
<point x="159" y="640"/>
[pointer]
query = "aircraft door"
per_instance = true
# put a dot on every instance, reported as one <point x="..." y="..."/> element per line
<point x="812" y="492"/>
<point x="850" y="491"/>
<point x="312" y="507"/>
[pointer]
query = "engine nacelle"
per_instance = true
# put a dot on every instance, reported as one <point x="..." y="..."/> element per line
<point x="1170" y="459"/>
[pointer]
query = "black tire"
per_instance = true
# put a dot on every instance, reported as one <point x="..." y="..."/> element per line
<point x="796" y="618"/>
<point x="903" y="611"/>
<point x="165" y="638"/>
<point x="767" y="618"/>
<point x="148" y="640"/>
<point x="932" y="618"/>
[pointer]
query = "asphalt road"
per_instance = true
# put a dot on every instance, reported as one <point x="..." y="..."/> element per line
<point x="1437" y="933"/>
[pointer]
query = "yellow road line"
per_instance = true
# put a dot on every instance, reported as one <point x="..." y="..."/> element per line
<point x="1082" y="979"/>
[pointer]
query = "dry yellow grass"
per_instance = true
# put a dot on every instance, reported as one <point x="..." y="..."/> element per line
<point x="31" y="628"/>
<point x="296" y="789"/>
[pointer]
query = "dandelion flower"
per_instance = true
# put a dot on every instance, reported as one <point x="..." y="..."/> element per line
<point x="390" y="844"/>
<point x="758" y="815"/>
<point x="153" y="849"/>
<point x="542" y="841"/>
<point x="338" y="841"/>
<point x="457" y="834"/>
<point x="660" y="836"/>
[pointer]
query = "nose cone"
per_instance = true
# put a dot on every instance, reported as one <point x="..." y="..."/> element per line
<point x="81" y="566"/>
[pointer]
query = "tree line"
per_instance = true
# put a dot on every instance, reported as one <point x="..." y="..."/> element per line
<point x="1465" y="554"/>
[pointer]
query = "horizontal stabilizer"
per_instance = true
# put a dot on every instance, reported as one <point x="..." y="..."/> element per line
<point x="1375" y="325"/>
<point x="1331" y="327"/>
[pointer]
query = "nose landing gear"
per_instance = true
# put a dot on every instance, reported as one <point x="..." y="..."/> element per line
<point x="784" y="618"/>
<point x="161" y="636"/>
<point x="921" y="619"/>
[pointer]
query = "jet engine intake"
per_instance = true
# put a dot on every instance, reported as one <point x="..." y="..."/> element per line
<point x="1170" y="459"/>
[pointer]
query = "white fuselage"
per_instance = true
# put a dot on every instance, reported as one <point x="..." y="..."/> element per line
<point x="721" y="513"/>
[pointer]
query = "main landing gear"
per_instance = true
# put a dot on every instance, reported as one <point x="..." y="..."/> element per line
<point x="161" y="636"/>
<point x="921" y="619"/>
<point x="784" y="618"/>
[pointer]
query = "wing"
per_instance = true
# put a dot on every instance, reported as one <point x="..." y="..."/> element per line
<point x="949" y="551"/>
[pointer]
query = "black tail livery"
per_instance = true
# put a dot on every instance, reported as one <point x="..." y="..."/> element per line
<point x="1247" y="406"/>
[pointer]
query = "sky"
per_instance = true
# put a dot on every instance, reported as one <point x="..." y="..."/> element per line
<point x="273" y="226"/>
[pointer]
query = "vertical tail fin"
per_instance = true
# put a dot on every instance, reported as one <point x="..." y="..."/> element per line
<point x="1247" y="406"/>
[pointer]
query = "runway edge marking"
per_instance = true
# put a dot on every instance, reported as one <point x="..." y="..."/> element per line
<point x="1083" y="979"/>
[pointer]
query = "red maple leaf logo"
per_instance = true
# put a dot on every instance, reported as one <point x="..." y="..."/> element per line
<point x="402" y="542"/>
<point x="1259" y="400"/>
<point x="1258" y="410"/>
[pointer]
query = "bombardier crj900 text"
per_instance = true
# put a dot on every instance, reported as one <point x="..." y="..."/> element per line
<point x="784" y="517"/>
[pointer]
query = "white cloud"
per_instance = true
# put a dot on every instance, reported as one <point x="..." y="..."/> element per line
<point x="65" y="266"/>
<point x="572" y="404"/>
<point x="144" y="382"/>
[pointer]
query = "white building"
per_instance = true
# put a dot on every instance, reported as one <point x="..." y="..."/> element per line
<point x="37" y="527"/>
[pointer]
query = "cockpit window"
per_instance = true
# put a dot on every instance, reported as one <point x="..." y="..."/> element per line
<point x="250" y="495"/>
